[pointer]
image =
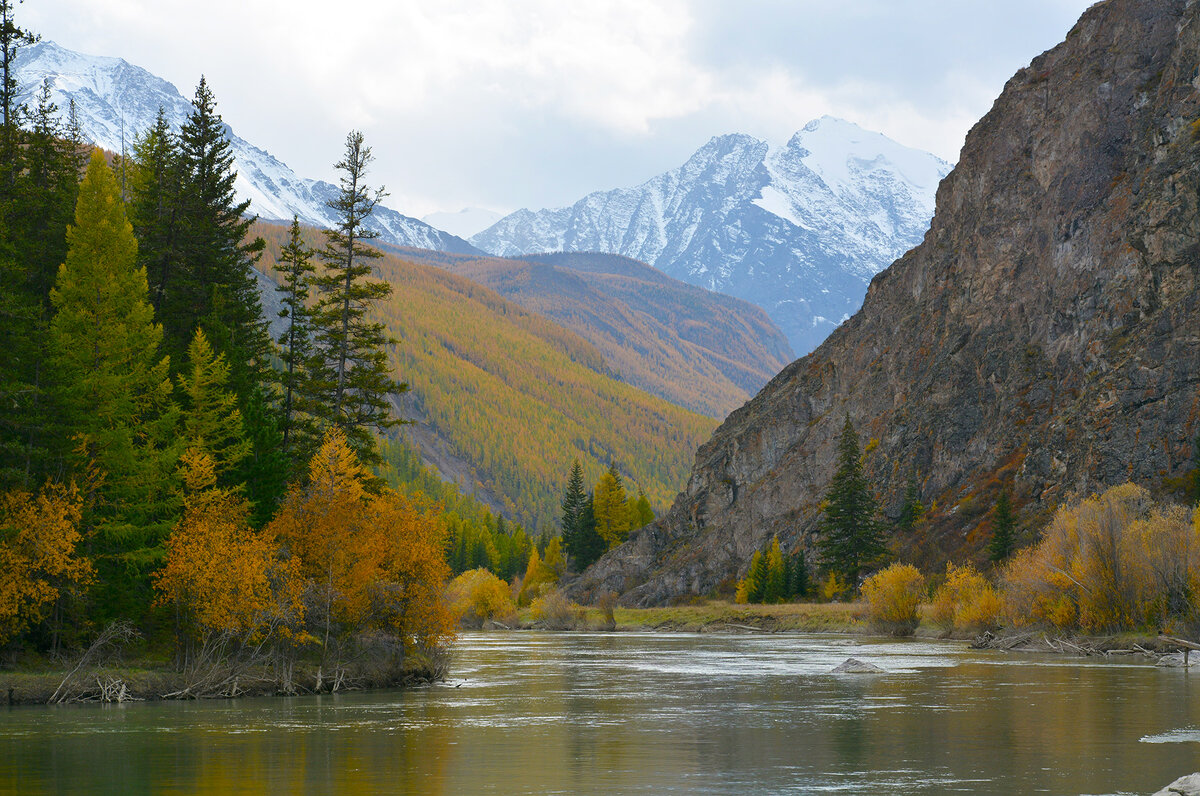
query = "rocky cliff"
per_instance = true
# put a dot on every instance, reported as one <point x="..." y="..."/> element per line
<point x="1045" y="334"/>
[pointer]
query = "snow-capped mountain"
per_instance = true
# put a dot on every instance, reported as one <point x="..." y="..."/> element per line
<point x="116" y="101"/>
<point x="798" y="229"/>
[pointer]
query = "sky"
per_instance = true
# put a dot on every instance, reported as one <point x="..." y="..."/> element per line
<point x="503" y="104"/>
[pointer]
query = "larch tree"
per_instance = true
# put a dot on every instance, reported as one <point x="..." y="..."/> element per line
<point x="775" y="583"/>
<point x="851" y="536"/>
<point x="611" y="509"/>
<point x="212" y="422"/>
<point x="351" y="371"/>
<point x="112" y="382"/>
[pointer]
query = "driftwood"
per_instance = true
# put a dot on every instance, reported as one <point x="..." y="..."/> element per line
<point x="106" y="644"/>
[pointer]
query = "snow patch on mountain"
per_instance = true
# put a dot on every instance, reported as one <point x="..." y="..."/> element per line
<point x="116" y="101"/>
<point x="798" y="229"/>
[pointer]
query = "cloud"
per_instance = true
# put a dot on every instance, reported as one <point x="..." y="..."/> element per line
<point x="500" y="104"/>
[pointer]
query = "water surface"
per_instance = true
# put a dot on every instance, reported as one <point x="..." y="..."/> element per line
<point x="650" y="713"/>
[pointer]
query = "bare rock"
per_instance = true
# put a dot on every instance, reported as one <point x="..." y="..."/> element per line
<point x="855" y="666"/>
<point x="1184" y="786"/>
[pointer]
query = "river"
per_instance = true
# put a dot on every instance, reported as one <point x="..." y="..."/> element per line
<point x="649" y="713"/>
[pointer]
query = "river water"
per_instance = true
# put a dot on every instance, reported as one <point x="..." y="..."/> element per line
<point x="649" y="713"/>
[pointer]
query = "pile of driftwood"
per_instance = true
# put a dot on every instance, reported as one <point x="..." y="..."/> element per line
<point x="1166" y="650"/>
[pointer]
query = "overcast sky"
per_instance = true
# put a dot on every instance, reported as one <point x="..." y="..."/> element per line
<point x="515" y="103"/>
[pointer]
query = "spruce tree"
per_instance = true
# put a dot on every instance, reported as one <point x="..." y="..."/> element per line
<point x="12" y="39"/>
<point x="1004" y="526"/>
<point x="351" y="370"/>
<point x="153" y="184"/>
<point x="214" y="284"/>
<point x="851" y="535"/>
<point x="591" y="544"/>
<point x="296" y="344"/>
<point x="911" y="510"/>
<point x="798" y="585"/>
<point x="113" y="384"/>
<point x="573" y="501"/>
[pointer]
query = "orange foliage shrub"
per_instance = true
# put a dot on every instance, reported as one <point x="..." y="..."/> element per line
<point x="477" y="596"/>
<point x="38" y="561"/>
<point x="222" y="576"/>
<point x="967" y="601"/>
<point x="893" y="596"/>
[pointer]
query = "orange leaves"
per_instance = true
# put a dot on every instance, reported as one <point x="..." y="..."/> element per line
<point x="223" y="576"/>
<point x="370" y="562"/>
<point x="893" y="596"/>
<point x="38" y="539"/>
<point x="967" y="600"/>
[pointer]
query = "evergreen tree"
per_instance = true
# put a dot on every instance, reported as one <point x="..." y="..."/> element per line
<point x="798" y="585"/>
<point x="215" y="284"/>
<point x="573" y="502"/>
<point x="114" y="386"/>
<point x="591" y="544"/>
<point x="296" y="343"/>
<point x="775" y="581"/>
<point x="351" y="371"/>
<point x="12" y="39"/>
<point x="153" y="184"/>
<point x="1004" y="526"/>
<point x="912" y="509"/>
<point x="851" y="535"/>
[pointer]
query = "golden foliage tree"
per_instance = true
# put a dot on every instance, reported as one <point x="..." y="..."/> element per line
<point x="39" y="562"/>
<point x="370" y="562"/>
<point x="893" y="596"/>
<point x="223" y="578"/>
<point x="477" y="596"/>
<point x="967" y="600"/>
<point x="610" y="505"/>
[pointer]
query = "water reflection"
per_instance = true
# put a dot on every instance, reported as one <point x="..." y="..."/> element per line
<point x="645" y="713"/>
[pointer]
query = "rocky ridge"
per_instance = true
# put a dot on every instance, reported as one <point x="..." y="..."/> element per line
<point x="1045" y="334"/>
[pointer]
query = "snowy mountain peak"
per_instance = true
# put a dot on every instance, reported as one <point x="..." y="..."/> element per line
<point x="116" y="101"/>
<point x="798" y="229"/>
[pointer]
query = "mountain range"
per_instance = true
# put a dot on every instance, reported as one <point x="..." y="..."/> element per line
<point x="116" y="101"/>
<point x="797" y="229"/>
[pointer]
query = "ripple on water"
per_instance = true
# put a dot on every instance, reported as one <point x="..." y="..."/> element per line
<point x="1181" y="735"/>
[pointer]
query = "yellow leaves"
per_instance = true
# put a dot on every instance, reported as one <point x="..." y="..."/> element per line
<point x="893" y="596"/>
<point x="967" y="600"/>
<point x="38" y="539"/>
<point x="369" y="561"/>
<point x="222" y="575"/>
<point x="477" y="596"/>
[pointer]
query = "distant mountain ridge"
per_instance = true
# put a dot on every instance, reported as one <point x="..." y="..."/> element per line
<point x="116" y="101"/>
<point x="700" y="350"/>
<point x="798" y="230"/>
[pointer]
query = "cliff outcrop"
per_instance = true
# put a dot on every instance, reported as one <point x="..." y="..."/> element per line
<point x="1045" y="335"/>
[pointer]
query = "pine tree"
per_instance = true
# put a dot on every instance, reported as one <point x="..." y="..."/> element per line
<point x="296" y="343"/>
<point x="112" y="383"/>
<point x="911" y="510"/>
<point x="573" y="502"/>
<point x="1004" y="525"/>
<point x="851" y="536"/>
<point x="351" y="369"/>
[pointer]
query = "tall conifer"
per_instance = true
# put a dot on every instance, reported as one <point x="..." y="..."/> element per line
<point x="851" y="534"/>
<point x="574" y="498"/>
<point x="1004" y="526"/>
<point x="351" y="370"/>
<point x="296" y="345"/>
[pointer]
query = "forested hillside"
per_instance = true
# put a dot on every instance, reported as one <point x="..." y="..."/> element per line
<point x="503" y="399"/>
<point x="698" y="349"/>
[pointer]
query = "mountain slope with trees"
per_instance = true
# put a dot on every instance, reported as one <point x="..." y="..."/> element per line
<point x="698" y="349"/>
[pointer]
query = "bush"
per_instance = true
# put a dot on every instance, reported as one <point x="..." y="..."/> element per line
<point x="555" y="612"/>
<point x="967" y="601"/>
<point x="893" y="596"/>
<point x="477" y="596"/>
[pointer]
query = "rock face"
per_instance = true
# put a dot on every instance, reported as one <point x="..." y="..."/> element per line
<point x="1184" y="786"/>
<point x="1045" y="334"/>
